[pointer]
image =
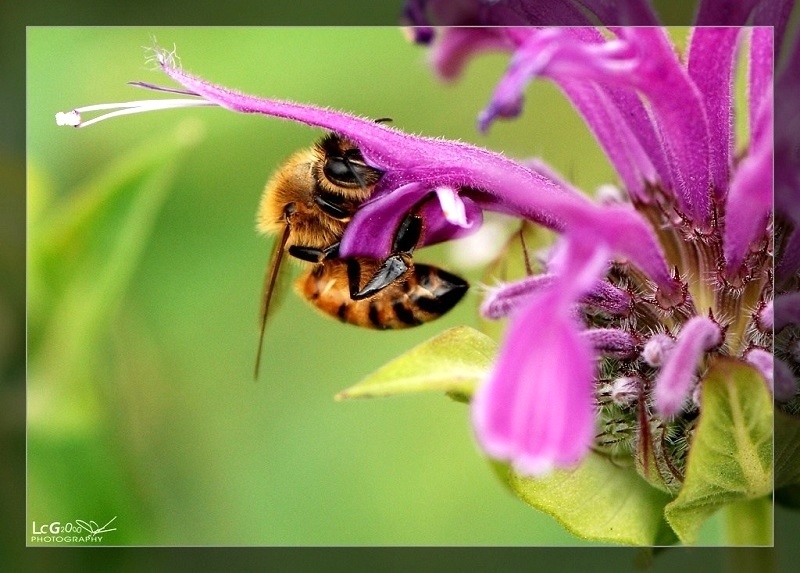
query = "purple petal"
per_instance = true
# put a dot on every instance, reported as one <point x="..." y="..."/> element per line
<point x="760" y="71"/>
<point x="746" y="12"/>
<point x="785" y="383"/>
<point x="489" y="179"/>
<point x="773" y="14"/>
<point x="789" y="264"/>
<point x="503" y="300"/>
<point x="724" y="12"/>
<point x="609" y="298"/>
<point x="612" y="342"/>
<point x="641" y="58"/>
<point x="711" y="60"/>
<point x="787" y="153"/>
<point x="678" y="109"/>
<point x="625" y="232"/>
<point x="777" y="374"/>
<point x="378" y="220"/>
<point x="457" y="45"/>
<point x="749" y="201"/>
<point x="675" y="380"/>
<point x="625" y="13"/>
<point x="536" y="407"/>
<point x="786" y="310"/>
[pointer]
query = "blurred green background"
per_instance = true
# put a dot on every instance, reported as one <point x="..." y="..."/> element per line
<point x="144" y="280"/>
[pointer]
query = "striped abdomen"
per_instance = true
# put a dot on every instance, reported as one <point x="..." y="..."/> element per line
<point x="423" y="294"/>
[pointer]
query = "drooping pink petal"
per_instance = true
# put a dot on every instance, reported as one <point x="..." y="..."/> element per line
<point x="536" y="409"/>
<point x="675" y="380"/>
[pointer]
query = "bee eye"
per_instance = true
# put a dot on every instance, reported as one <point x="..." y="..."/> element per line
<point x="341" y="171"/>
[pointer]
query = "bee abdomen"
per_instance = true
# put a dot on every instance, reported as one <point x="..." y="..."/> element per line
<point x="423" y="294"/>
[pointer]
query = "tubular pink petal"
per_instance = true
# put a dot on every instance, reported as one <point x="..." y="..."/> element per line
<point x="502" y="301"/>
<point x="749" y="201"/>
<point x="673" y="383"/>
<point x="724" y="12"/>
<point x="785" y="383"/>
<point x="535" y="409"/>
<point x="760" y="73"/>
<point x="711" y="59"/>
<point x="530" y="410"/>
<point x="457" y="45"/>
<point x="786" y="310"/>
<point x="612" y="342"/>
<point x="678" y="109"/>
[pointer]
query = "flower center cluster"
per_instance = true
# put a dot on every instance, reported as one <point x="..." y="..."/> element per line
<point x="630" y="426"/>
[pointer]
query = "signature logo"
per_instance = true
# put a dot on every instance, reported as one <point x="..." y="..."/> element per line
<point x="71" y="531"/>
<point x="92" y="527"/>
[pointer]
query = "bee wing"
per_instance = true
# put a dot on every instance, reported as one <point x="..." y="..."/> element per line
<point x="270" y="281"/>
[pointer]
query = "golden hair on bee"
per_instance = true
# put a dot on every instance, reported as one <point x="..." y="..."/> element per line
<point x="308" y="203"/>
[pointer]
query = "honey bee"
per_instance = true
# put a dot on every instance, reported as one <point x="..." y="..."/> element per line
<point x="308" y="203"/>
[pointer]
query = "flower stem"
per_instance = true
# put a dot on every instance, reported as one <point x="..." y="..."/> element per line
<point x="749" y="522"/>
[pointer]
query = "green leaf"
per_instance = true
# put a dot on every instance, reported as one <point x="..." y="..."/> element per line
<point x="731" y="455"/>
<point x="599" y="501"/>
<point x="455" y="361"/>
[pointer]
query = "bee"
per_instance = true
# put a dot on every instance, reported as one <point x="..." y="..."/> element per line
<point x="308" y="203"/>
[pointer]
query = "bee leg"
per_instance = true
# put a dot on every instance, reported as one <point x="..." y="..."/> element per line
<point x="331" y="206"/>
<point x="394" y="267"/>
<point x="407" y="235"/>
<point x="310" y="254"/>
<point x="314" y="255"/>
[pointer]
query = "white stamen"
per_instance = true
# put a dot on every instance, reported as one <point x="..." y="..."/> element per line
<point x="73" y="118"/>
